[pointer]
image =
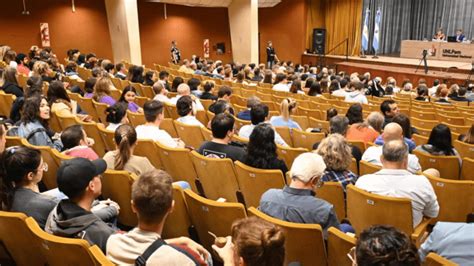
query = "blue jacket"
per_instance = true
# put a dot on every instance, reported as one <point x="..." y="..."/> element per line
<point x="36" y="134"/>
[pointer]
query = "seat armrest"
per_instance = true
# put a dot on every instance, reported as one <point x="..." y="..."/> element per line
<point x="420" y="232"/>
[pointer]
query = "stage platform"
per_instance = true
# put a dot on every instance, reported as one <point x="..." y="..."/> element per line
<point x="399" y="68"/>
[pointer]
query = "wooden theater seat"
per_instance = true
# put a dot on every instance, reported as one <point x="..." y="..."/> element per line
<point x="338" y="246"/>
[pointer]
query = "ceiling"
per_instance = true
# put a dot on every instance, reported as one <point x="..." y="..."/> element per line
<point x="214" y="3"/>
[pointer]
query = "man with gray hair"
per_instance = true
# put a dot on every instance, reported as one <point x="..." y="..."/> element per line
<point x="395" y="181"/>
<point x="296" y="202"/>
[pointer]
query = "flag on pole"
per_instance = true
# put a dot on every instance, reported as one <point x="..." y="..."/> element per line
<point x="376" y="41"/>
<point x="365" y="31"/>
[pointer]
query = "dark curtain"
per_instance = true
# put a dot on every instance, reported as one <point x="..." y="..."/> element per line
<point x="417" y="20"/>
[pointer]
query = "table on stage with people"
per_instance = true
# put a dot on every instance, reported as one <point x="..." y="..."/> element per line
<point x="438" y="50"/>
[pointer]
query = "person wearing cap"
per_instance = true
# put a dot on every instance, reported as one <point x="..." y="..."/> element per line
<point x="297" y="202"/>
<point x="79" y="180"/>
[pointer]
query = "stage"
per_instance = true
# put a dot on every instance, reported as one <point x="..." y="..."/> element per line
<point x="399" y="68"/>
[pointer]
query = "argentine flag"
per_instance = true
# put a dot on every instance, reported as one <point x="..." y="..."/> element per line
<point x="365" y="31"/>
<point x="376" y="41"/>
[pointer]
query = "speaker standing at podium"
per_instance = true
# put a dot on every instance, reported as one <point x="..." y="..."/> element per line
<point x="271" y="55"/>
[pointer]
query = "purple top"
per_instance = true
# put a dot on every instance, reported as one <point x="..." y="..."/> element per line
<point x="133" y="107"/>
<point x="89" y="95"/>
<point x="107" y="99"/>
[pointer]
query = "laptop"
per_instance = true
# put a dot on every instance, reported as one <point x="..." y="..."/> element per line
<point x="451" y="38"/>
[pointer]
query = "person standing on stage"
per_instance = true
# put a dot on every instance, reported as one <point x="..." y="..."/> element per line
<point x="439" y="36"/>
<point x="175" y="53"/>
<point x="459" y="36"/>
<point x="271" y="55"/>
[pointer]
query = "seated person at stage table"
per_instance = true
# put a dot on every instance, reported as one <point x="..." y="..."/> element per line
<point x="297" y="202"/>
<point x="394" y="180"/>
<point x="153" y="111"/>
<point x="152" y="201"/>
<point x="460" y="36"/>
<point x="222" y="126"/>
<point x="453" y="241"/>
<point x="439" y="36"/>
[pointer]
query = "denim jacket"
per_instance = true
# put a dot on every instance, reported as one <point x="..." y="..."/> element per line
<point x="36" y="134"/>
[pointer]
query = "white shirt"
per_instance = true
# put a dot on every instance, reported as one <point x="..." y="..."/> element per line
<point x="403" y="184"/>
<point x="162" y="98"/>
<point x="373" y="153"/>
<point x="197" y="105"/>
<point x="281" y="87"/>
<point x="340" y="93"/>
<point x="246" y="130"/>
<point x="190" y="120"/>
<point x="112" y="126"/>
<point x="155" y="134"/>
<point x="356" y="97"/>
<point x="432" y="90"/>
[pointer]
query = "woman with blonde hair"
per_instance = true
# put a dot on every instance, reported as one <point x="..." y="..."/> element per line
<point x="468" y="137"/>
<point x="102" y="89"/>
<point x="337" y="155"/>
<point x="42" y="69"/>
<point x="253" y="242"/>
<point x="122" y="158"/>
<point x="287" y="107"/>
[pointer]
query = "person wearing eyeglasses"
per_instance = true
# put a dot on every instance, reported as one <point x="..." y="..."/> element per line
<point x="296" y="202"/>
<point x="23" y="169"/>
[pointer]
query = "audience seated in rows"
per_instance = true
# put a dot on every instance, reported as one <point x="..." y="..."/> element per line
<point x="77" y="144"/>
<point x="359" y="130"/>
<point x="151" y="129"/>
<point x="152" y="201"/>
<point x="336" y="153"/>
<point x="259" y="114"/>
<point x="208" y="87"/>
<point x="287" y="108"/>
<point x="262" y="150"/>
<point x="222" y="126"/>
<point x="253" y="242"/>
<point x="395" y="180"/>
<point x="34" y="124"/>
<point x="186" y="112"/>
<point x="128" y="97"/>
<point x="122" y="158"/>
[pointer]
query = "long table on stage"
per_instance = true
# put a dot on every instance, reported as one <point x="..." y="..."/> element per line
<point x="446" y="51"/>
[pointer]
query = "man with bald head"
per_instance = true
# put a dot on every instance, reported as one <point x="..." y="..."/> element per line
<point x="395" y="181"/>
<point x="392" y="131"/>
<point x="184" y="90"/>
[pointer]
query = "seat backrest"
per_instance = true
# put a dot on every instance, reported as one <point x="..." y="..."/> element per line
<point x="168" y="126"/>
<point x="302" y="120"/>
<point x="333" y="192"/>
<point x="136" y="119"/>
<point x="66" y="121"/>
<point x="423" y="115"/>
<point x="172" y="111"/>
<point x="458" y="128"/>
<point x="108" y="137"/>
<point x="365" y="209"/>
<point x="100" y="109"/>
<point x="464" y="149"/>
<point x="253" y="182"/>
<point x="99" y="256"/>
<point x="177" y="222"/>
<point x="457" y="120"/>
<point x="434" y="259"/>
<point x="206" y="133"/>
<point x="419" y="139"/>
<point x="217" y="177"/>
<point x="54" y="122"/>
<point x="92" y="131"/>
<point x="450" y="210"/>
<point x="427" y="124"/>
<point x="73" y="251"/>
<point x="303" y="139"/>
<point x="338" y="245"/>
<point x="322" y="124"/>
<point x="212" y="216"/>
<point x="16" y="237"/>
<point x="191" y="135"/>
<point x="359" y="144"/>
<point x="147" y="148"/>
<point x="6" y="102"/>
<point x="49" y="177"/>
<point x="466" y="170"/>
<point x="117" y="185"/>
<point x="304" y="243"/>
<point x="366" y="168"/>
<point x="13" y="141"/>
<point x="202" y="117"/>
<point x="448" y="166"/>
<point x="239" y="123"/>
<point x="285" y="134"/>
<point x="182" y="171"/>
<point x="88" y="107"/>
<point x="289" y="154"/>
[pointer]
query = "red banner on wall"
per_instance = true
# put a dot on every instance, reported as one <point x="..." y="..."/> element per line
<point x="45" y="40"/>
<point x="206" y="48"/>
